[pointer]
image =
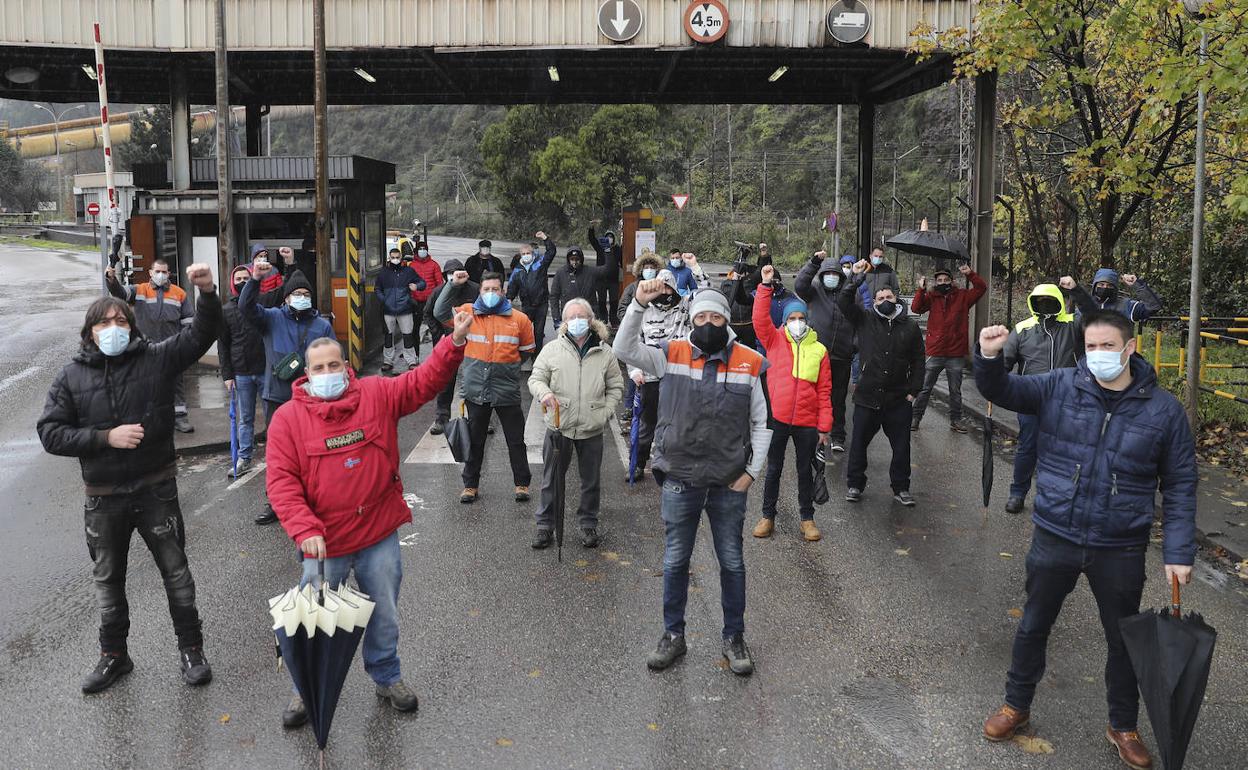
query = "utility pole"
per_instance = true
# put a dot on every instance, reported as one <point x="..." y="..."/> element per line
<point x="836" y="191"/>
<point x="325" y="294"/>
<point x="225" y="209"/>
<point x="764" y="180"/>
<point x="425" y="167"/>
<point x="731" y="198"/>
<point x="1198" y="226"/>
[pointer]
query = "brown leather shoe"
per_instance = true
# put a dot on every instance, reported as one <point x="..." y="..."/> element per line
<point x="522" y="494"/>
<point x="1002" y="725"/>
<point x="764" y="527"/>
<point x="810" y="532"/>
<point x="1131" y="749"/>
<point x="469" y="495"/>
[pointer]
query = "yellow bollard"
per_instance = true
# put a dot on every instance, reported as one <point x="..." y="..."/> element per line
<point x="1157" y="352"/>
<point x="1203" y="350"/>
<point x="1182" y="358"/>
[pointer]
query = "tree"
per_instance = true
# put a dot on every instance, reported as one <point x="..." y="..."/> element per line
<point x="569" y="179"/>
<point x="623" y="140"/>
<point x="23" y="185"/>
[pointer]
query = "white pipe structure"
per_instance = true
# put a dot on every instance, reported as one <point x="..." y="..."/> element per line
<point x="114" y="218"/>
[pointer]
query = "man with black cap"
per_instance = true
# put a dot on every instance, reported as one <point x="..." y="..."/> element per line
<point x="482" y="262"/>
<point x="947" y="341"/>
<point x="465" y="291"/>
<point x="577" y="279"/>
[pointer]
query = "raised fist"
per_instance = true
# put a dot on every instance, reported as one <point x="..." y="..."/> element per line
<point x="459" y="277"/>
<point x="1067" y="282"/>
<point x="964" y="269"/>
<point x="768" y="274"/>
<point x="201" y="276"/>
<point x="923" y="282"/>
<point x="648" y="290"/>
<point x="992" y="340"/>
<point x="1129" y="279"/>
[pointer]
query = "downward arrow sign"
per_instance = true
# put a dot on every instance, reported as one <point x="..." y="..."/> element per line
<point x="620" y="22"/>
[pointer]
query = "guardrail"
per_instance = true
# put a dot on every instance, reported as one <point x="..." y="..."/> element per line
<point x="1208" y="333"/>
<point x="21" y="219"/>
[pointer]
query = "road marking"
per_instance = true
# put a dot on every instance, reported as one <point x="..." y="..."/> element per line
<point x="621" y="448"/>
<point x="534" y="432"/>
<point x="256" y="470"/>
<point x="433" y="450"/>
<point x="23" y="374"/>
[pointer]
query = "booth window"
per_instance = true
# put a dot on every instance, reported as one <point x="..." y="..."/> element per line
<point x="374" y="240"/>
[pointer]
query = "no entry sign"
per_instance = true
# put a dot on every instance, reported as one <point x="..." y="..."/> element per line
<point x="706" y="22"/>
<point x="93" y="209"/>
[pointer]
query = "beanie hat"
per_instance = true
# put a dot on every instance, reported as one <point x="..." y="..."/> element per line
<point x="792" y="305"/>
<point x="256" y="248"/>
<point x="296" y="281"/>
<point x="709" y="300"/>
<point x="575" y="251"/>
<point x="848" y="258"/>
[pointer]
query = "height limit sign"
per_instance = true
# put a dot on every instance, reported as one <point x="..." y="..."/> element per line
<point x="706" y="22"/>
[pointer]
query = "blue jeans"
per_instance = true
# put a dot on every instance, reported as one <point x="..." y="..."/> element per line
<point x="1025" y="455"/>
<point x="379" y="572"/>
<point x="1116" y="577"/>
<point x="246" y="391"/>
<point x="682" y="507"/>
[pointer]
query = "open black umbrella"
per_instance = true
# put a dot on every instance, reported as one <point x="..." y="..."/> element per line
<point x="988" y="459"/>
<point x="1171" y="656"/>
<point x="927" y="243"/>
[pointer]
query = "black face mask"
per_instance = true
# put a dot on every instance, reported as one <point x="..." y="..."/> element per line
<point x="944" y="288"/>
<point x="666" y="300"/>
<point x="1046" y="306"/>
<point x="709" y="338"/>
<point x="886" y="308"/>
<point x="238" y="286"/>
<point x="1105" y="293"/>
<point x="574" y="265"/>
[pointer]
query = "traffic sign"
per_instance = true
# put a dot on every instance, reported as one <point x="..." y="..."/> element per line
<point x="849" y="21"/>
<point x="620" y="20"/>
<point x="93" y="209"/>
<point x="680" y="199"/>
<point x="706" y="22"/>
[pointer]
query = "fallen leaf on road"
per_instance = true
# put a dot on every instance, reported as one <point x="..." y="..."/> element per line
<point x="610" y="556"/>
<point x="535" y="673"/>
<point x="1015" y="612"/>
<point x="1005" y="555"/>
<point x="625" y="563"/>
<point x="504" y="742"/>
<point x="902" y="551"/>
<point x="224" y="718"/>
<point x="1240" y="504"/>
<point x="1033" y="745"/>
<point x="593" y="577"/>
<point x="653" y="727"/>
<point x="474" y="613"/>
<point x="581" y="563"/>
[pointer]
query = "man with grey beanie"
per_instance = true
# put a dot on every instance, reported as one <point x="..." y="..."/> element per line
<point x="710" y="444"/>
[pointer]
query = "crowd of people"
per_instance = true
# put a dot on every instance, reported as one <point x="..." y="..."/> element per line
<point x="726" y="378"/>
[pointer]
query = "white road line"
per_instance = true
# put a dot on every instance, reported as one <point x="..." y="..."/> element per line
<point x="23" y="374"/>
<point x="622" y="448"/>
<point x="534" y="432"/>
<point x="433" y="450"/>
<point x="256" y="470"/>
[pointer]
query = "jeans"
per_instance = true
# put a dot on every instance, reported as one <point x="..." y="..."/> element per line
<point x="378" y="572"/>
<point x="246" y="391"/>
<point x="512" y="419"/>
<point x="840" y="390"/>
<point x="681" y="508"/>
<point x="649" y="419"/>
<point x="404" y="325"/>
<point x="589" y="467"/>
<point x="1025" y="455"/>
<point x="894" y="418"/>
<point x="804" y="442"/>
<point x="110" y="520"/>
<point x="1116" y="577"/>
<point x="952" y="366"/>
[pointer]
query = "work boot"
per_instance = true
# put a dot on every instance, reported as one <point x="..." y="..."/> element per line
<point x="182" y="425"/>
<point x="108" y="669"/>
<point x="267" y="516"/>
<point x="1131" y="749"/>
<point x="764" y="527"/>
<point x="543" y="538"/>
<point x="853" y="495"/>
<point x="589" y="537"/>
<point x="522" y="493"/>
<point x="738" y="655"/>
<point x="1014" y="505"/>
<point x="296" y="714"/>
<point x="905" y="498"/>
<point x="438" y="428"/>
<point x="810" y="533"/>
<point x="469" y="495"/>
<point x="670" y="647"/>
<point x="958" y="426"/>
<point x="195" y="668"/>
<point x="400" y="696"/>
<point x="242" y="469"/>
<point x="1002" y="725"/>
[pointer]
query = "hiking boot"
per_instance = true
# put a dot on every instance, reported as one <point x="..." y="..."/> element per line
<point x="108" y="669"/>
<point x="905" y="498"/>
<point x="543" y="538"/>
<point x="469" y="495"/>
<point x="958" y="426"/>
<point x="810" y="533"/>
<point x="1002" y="725"/>
<point x="764" y="527"/>
<point x="296" y="714"/>
<point x="738" y="655"/>
<point x="242" y="469"/>
<point x="1014" y="505"/>
<point x="853" y="495"/>
<point x="267" y="516"/>
<point x="589" y="537"/>
<point x="522" y="493"/>
<point x="400" y="695"/>
<point x="1131" y="749"/>
<point x="182" y="425"/>
<point x="438" y="427"/>
<point x="670" y="647"/>
<point x="195" y="668"/>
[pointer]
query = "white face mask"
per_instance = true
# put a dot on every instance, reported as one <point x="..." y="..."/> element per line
<point x="578" y="327"/>
<point x="526" y="259"/>
<point x="648" y="273"/>
<point x="847" y="270"/>
<point x="1105" y="365"/>
<point x="112" y="341"/>
<point x="300" y="302"/>
<point x="797" y="328"/>
<point x="483" y="251"/>
<point x="160" y="279"/>
<point x="395" y="260"/>
<point x="328" y="386"/>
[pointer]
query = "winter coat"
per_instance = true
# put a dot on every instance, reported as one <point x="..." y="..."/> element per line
<point x="584" y="283"/>
<point x="430" y="273"/>
<point x="531" y="285"/>
<point x="604" y="253"/>
<point x="877" y="277"/>
<point x="284" y="332"/>
<point x="589" y="387"/>
<point x="477" y="266"/>
<point x="496" y="341"/>
<point x="740" y="299"/>
<point x="95" y="393"/>
<point x="440" y="313"/>
<point x="1135" y="310"/>
<point x="161" y="311"/>
<point x="333" y="466"/>
<point x="947" y="333"/>
<point x="799" y="379"/>
<point x="1097" y="470"/>
<point x="825" y="316"/>
<point x="393" y="291"/>
<point x="647" y="259"/>
<point x="240" y="347"/>
<point x="659" y="324"/>
<point x="891" y="352"/>
<point x="1039" y="344"/>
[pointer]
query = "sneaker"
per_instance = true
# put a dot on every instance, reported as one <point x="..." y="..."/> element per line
<point x="905" y="498"/>
<point x="522" y="493"/>
<point x="838" y="446"/>
<point x="242" y="469"/>
<point x="296" y="714"/>
<point x="108" y="669"/>
<point x="469" y="495"/>
<point x="182" y="425"/>
<point x="1014" y="505"/>
<point x="438" y="428"/>
<point x="764" y="527"/>
<point x="544" y="538"/>
<point x="589" y="537"/>
<point x="267" y="516"/>
<point x="195" y="668"/>
<point x="738" y="655"/>
<point x="853" y="495"/>
<point x="400" y="695"/>
<point x="387" y="367"/>
<point x="958" y="426"/>
<point x="670" y="647"/>
<point x="1002" y="725"/>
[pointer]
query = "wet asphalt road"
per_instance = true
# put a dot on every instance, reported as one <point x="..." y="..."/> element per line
<point x="884" y="645"/>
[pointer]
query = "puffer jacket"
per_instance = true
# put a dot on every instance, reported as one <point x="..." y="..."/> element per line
<point x="1097" y="471"/>
<point x="835" y="331"/>
<point x="1041" y="343"/>
<point x="658" y="324"/>
<point x="496" y="341"/>
<point x="95" y="393"/>
<point x="392" y="289"/>
<point x="877" y="277"/>
<point x="947" y="333"/>
<point x="647" y="259"/>
<point x="891" y="351"/>
<point x="430" y="273"/>
<point x="589" y="387"/>
<point x="1136" y="310"/>
<point x="284" y="332"/>
<point x="799" y="379"/>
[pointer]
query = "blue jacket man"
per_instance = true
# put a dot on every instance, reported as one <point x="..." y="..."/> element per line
<point x="688" y="274"/>
<point x="287" y="329"/>
<point x="1110" y="436"/>
<point x="393" y="289"/>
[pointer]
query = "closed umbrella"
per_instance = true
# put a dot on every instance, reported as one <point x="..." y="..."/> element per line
<point x="634" y="433"/>
<point x="559" y="492"/>
<point x="819" y="462"/>
<point x="988" y="459"/>
<point x="927" y="243"/>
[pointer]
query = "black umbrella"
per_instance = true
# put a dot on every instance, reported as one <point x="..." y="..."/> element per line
<point x="1171" y="655"/>
<point x="819" y="462"/>
<point x="988" y="459"/>
<point x="926" y="243"/>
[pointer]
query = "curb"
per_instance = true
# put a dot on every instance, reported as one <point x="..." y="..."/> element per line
<point x="210" y="447"/>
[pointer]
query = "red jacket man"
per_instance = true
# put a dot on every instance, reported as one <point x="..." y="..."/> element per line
<point x="429" y="271"/>
<point x="946" y="337"/>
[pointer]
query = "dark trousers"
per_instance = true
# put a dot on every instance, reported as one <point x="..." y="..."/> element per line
<point x="649" y="419"/>
<point x="538" y="316"/>
<point x="110" y="520"/>
<point x="588" y="466"/>
<point x="512" y="418"/>
<point x="804" y="442"/>
<point x="418" y="313"/>
<point x="1025" y="455"/>
<point x="1116" y="577"/>
<point x="840" y="390"/>
<point x="447" y="396"/>
<point x="952" y="366"/>
<point x="894" y="418"/>
<point x="681" y="508"/>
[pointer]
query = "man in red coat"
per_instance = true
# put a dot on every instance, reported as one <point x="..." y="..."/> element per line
<point x="947" y="342"/>
<point x="431" y="273"/>
<point x="333" y="479"/>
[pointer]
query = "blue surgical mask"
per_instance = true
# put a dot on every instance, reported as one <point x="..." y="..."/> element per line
<point x="327" y="386"/>
<point x="300" y="302"/>
<point x="491" y="298"/>
<point x="675" y="261"/>
<point x="113" y="340"/>
<point x="1105" y="365"/>
<point x="422" y="253"/>
<point x="526" y="259"/>
<point x="831" y="281"/>
<point x="578" y="327"/>
<point x="877" y="261"/>
<point x="648" y="273"/>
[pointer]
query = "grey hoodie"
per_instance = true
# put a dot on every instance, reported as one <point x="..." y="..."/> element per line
<point x="834" y="330"/>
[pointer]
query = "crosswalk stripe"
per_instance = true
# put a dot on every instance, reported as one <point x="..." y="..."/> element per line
<point x="433" y="450"/>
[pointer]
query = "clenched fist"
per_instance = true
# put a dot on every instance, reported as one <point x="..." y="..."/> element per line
<point x="923" y="282"/>
<point x="463" y="322"/>
<point x="125" y="436"/>
<point x="201" y="276"/>
<point x="1067" y="283"/>
<point x="860" y="267"/>
<point x="964" y="269"/>
<point x="648" y="290"/>
<point x="459" y="277"/>
<point x="1129" y="279"/>
<point x="768" y="274"/>
<point x="992" y="339"/>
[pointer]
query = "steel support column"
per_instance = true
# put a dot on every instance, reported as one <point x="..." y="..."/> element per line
<point x="225" y="228"/>
<point x="866" y="169"/>
<point x="320" y="141"/>
<point x="180" y="144"/>
<point x="254" y="125"/>
<point x="984" y="189"/>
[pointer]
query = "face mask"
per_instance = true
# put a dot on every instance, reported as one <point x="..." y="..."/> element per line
<point x="709" y="338"/>
<point x="300" y="303"/>
<point x="797" y="328"/>
<point x="675" y="262"/>
<point x="327" y="386"/>
<point x="113" y="340"/>
<point x="574" y="265"/>
<point x="1047" y="306"/>
<point x="1105" y="293"/>
<point x="395" y="260"/>
<point x="238" y="285"/>
<point x="648" y="273"/>
<point x="578" y="327"/>
<point x="160" y="279"/>
<point x="666" y="300"/>
<point x="877" y="261"/>
<point x="526" y="259"/>
<point x="1105" y="365"/>
<point x="483" y="251"/>
<point x="886" y="308"/>
<point x="847" y="270"/>
<point x="423" y="253"/>
<point x="491" y="298"/>
<point x="831" y="281"/>
<point x="944" y="288"/>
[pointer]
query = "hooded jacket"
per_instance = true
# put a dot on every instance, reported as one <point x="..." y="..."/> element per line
<point x="1041" y="343"/>
<point x="530" y="285"/>
<point x="799" y="379"/>
<point x="648" y="259"/>
<point x="240" y="348"/>
<point x="284" y="332"/>
<point x="687" y="281"/>
<point x="392" y="288"/>
<point x="333" y="466"/>
<point x="826" y="318"/>
<point x="589" y="387"/>
<point x="430" y="273"/>
<point x="95" y="393"/>
<point x="740" y="293"/>
<point x="1135" y="310"/>
<point x="877" y="277"/>
<point x="1097" y="471"/>
<point x="660" y="324"/>
<point x="583" y="283"/>
<point x="947" y="332"/>
<point x="890" y="349"/>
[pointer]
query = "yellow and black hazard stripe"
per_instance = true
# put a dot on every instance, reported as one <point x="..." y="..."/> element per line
<point x="1224" y="394"/>
<point x="355" y="300"/>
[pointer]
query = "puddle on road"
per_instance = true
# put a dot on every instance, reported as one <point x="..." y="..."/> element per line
<point x="890" y="714"/>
